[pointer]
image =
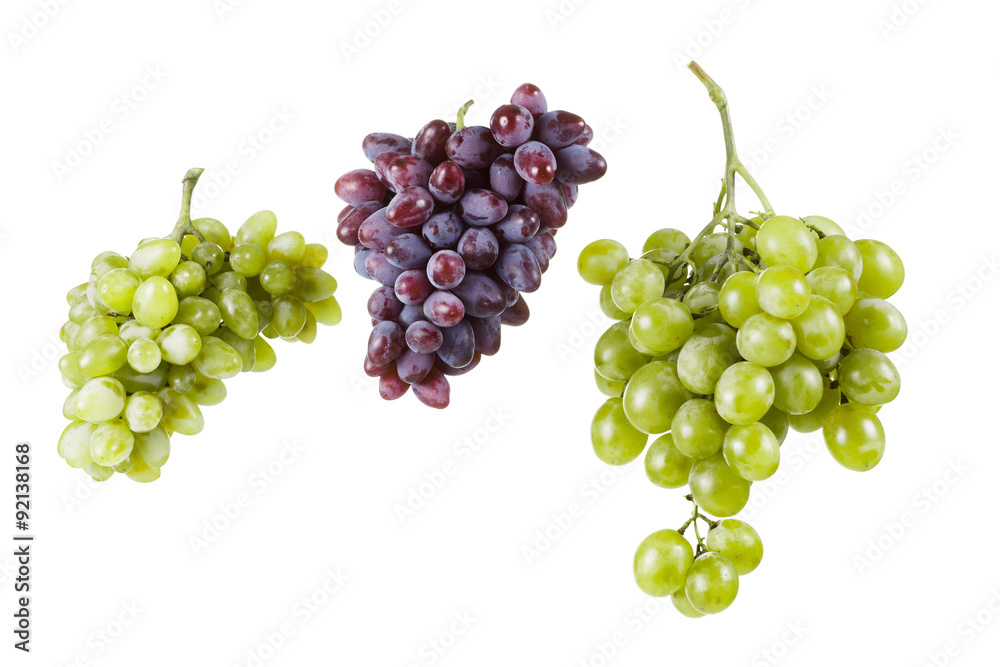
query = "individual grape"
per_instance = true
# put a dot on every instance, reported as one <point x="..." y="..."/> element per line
<point x="516" y="266"/>
<point x="209" y="257"/>
<point x="442" y="230"/>
<point x="751" y="450"/>
<point x="868" y="377"/>
<point x="92" y="328"/>
<point x="473" y="147"/>
<point x="786" y="241"/>
<point x="179" y="344"/>
<point x="825" y="226"/>
<point x="155" y="258"/>
<point x="616" y="442"/>
<point x="766" y="340"/>
<point x="712" y="583"/>
<point x="180" y="413"/>
<point x="152" y="448"/>
<point x="611" y="388"/>
<point x="738" y="298"/>
<point x="702" y="299"/>
<point x="188" y="279"/>
<point x="383" y="304"/>
<point x="287" y="247"/>
<point x="217" y="359"/>
<point x="665" y="465"/>
<point x="102" y="356"/>
<point x="199" y="313"/>
<point x="705" y="356"/>
<point x="783" y="292"/>
<point x="117" y="288"/>
<point x="430" y="141"/>
<point x="314" y="284"/>
<point x="480" y="295"/>
<point x="698" y="430"/>
<point x="111" y="443"/>
<point x="277" y="277"/>
<point x="737" y="541"/>
<point x="478" y="248"/>
<point x="434" y="390"/>
<point x="512" y="125"/>
<point x="155" y="302"/>
<point x="614" y="356"/>
<point x="480" y="207"/>
<point x="444" y="309"/>
<point x="882" y="273"/>
<point x="516" y="314"/>
<point x="744" y="393"/>
<point x="99" y="400"/>
<point x="558" y="129"/>
<point x="661" y="563"/>
<point x="412" y="367"/>
<point x="504" y="179"/>
<point x="74" y="444"/>
<point x="407" y="251"/>
<point x="357" y="187"/>
<point x="487" y="334"/>
<point x="667" y="238"/>
<point x="711" y="246"/>
<point x="608" y="306"/>
<point x="239" y="313"/>
<point x="819" y="330"/>
<point x="840" y="252"/>
<point x="105" y="262"/>
<point x="348" y="228"/>
<point x="380" y="270"/>
<point x="447" y="182"/>
<point x="458" y="346"/>
<point x="314" y="256"/>
<point x="716" y="488"/>
<point x="854" y="437"/>
<point x="142" y="412"/>
<point x="548" y="202"/>
<point x="207" y="391"/>
<point x="683" y="605"/>
<point x="653" y="395"/>
<point x="873" y="323"/>
<point x="600" y="261"/>
<point x="379" y="143"/>
<point x="143" y="473"/>
<point x="385" y="343"/>
<point x="579" y="164"/>
<point x="182" y="378"/>
<point x="326" y="311"/>
<point x="798" y="385"/>
<point x="535" y="163"/>
<point x="521" y="225"/>
<point x="538" y="250"/>
<point x="636" y="283"/>
<point x="662" y="325"/>
<point x="808" y="422"/>
<point x="411" y="207"/>
<point x="228" y="280"/>
<point x="834" y="284"/>
<point x="70" y="370"/>
<point x="530" y="97"/>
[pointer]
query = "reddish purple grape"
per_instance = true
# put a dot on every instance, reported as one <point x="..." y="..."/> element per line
<point x="347" y="228"/>
<point x="407" y="171"/>
<point x="548" y="243"/>
<point x="535" y="163"/>
<point x="558" y="129"/>
<point x="360" y="260"/>
<point x="459" y="345"/>
<point x="423" y="337"/>
<point x="434" y="390"/>
<point x="413" y="367"/>
<point x="479" y="248"/>
<point x="504" y="179"/>
<point x="442" y="230"/>
<point x="430" y="141"/>
<point x="481" y="207"/>
<point x="518" y="267"/>
<point x="455" y="372"/>
<point x="383" y="304"/>
<point x="391" y="386"/>
<point x="379" y="143"/>
<point x="481" y="296"/>
<point x="541" y="255"/>
<point x="511" y="125"/>
<point x="444" y="309"/>
<point x="548" y="203"/>
<point x="473" y="147"/>
<point x="373" y="371"/>
<point x="412" y="287"/>
<point x="359" y="186"/>
<point x="530" y="96"/>
<point x="411" y="207"/>
<point x="570" y="192"/>
<point x="511" y="294"/>
<point x="586" y="137"/>
<point x="445" y="269"/>
<point x="410" y="315"/>
<point x="408" y="251"/>
<point x="380" y="270"/>
<point x="447" y="182"/>
<point x="520" y="225"/>
<point x="376" y="231"/>
<point x="517" y="314"/>
<point x="487" y="333"/>
<point x="579" y="164"/>
<point x="344" y="212"/>
<point x="385" y="343"/>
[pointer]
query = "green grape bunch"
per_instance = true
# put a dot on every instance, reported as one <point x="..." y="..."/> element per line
<point x="151" y="337"/>
<point x="722" y="343"/>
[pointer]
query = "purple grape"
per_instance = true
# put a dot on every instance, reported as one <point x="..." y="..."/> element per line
<point x="407" y="171"/>
<point x="430" y="141"/>
<point x="407" y="251"/>
<point x="511" y="294"/>
<point x="444" y="309"/>
<point x="558" y="129"/>
<point x="413" y="367"/>
<point x="476" y="178"/>
<point x="411" y="207"/>
<point x="530" y="96"/>
<point x="423" y="337"/>
<point x="504" y="179"/>
<point x="548" y="243"/>
<point x="383" y="304"/>
<point x="377" y="231"/>
<point x="379" y="143"/>
<point x="520" y="225"/>
<point x="479" y="248"/>
<point x="373" y="371"/>
<point x="344" y="212"/>
<point x="445" y="269"/>
<point x="481" y="207"/>
<point x="579" y="164"/>
<point x="517" y="314"/>
<point x="570" y="191"/>
<point x="382" y="166"/>
<point x="434" y="390"/>
<point x="538" y="250"/>
<point x="459" y="345"/>
<point x="349" y="224"/>
<point x="391" y="386"/>
<point x="412" y="287"/>
<point x="548" y="203"/>
<point x="586" y="137"/>
<point x="481" y="296"/>
<point x="518" y="267"/>
<point x="452" y="371"/>
<point x="385" y="343"/>
<point x="380" y="270"/>
<point x="511" y="125"/>
<point x="442" y="230"/>
<point x="535" y="163"/>
<point x="360" y="259"/>
<point x="473" y="147"/>
<point x="359" y="186"/>
<point x="487" y="333"/>
<point x="410" y="315"/>
<point x="447" y="182"/>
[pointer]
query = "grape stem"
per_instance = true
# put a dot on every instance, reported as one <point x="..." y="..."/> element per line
<point x="461" y="114"/>
<point x="695" y="515"/>
<point x="184" y="226"/>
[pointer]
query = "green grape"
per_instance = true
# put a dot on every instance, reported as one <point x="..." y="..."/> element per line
<point x="712" y="583"/>
<point x="308" y="333"/>
<point x="155" y="258"/>
<point x="738" y="298"/>
<point x="813" y="420"/>
<point x="653" y="395"/>
<point x="209" y="257"/>
<point x="68" y="332"/>
<point x="243" y="347"/>
<point x="229" y="280"/>
<point x="776" y="422"/>
<point x="99" y="473"/>
<point x="288" y="247"/>
<point x="717" y="488"/>
<point x="610" y="388"/>
<point x="313" y="284"/>
<point x="188" y="279"/>
<point x="180" y="413"/>
<point x="608" y="306"/>
<point x="785" y="241"/>
<point x="144" y="355"/>
<point x="207" y="391"/>
<point x="737" y="541"/>
<point x="868" y="377"/>
<point x="615" y="440"/>
<point x="81" y="310"/>
<point x="705" y="356"/>
<point x="142" y="412"/>
<point x="639" y="347"/>
<point x="315" y="255"/>
<point x="662" y="325"/>
<point x="69" y="405"/>
<point x="99" y="400"/>
<point x="106" y="262"/>
<point x="702" y="298"/>
<point x="614" y="356"/>
<point x="155" y="302"/>
<point x="264" y="357"/>
<point x="665" y="465"/>
<point x="179" y="344"/>
<point x="854" y="437"/>
<point x="75" y="293"/>
<point x="277" y="277"/>
<point x="783" y="291"/>
<point x="74" y="444"/>
<point x="667" y="238"/>
<point x="819" y="330"/>
<point x="883" y="269"/>
<point x="840" y="252"/>
<point x="153" y="447"/>
<point x="98" y="325"/>
<point x="133" y="381"/>
<point x="239" y="313"/>
<point x="103" y="355"/>
<point x="601" y="260"/>
<point x="131" y="331"/>
<point x="70" y="369"/>
<point x="122" y="466"/>
<point x="289" y="316"/>
<point x="213" y="231"/>
<point x="117" y="288"/>
<point x="698" y="430"/>
<point x="711" y="246"/>
<point x="217" y="359"/>
<point x="798" y="385"/>
<point x="751" y="451"/>
<point x="200" y="314"/>
<point x="766" y="340"/>
<point x="181" y="378"/>
<point x="826" y="366"/>
<point x="661" y="562"/>
<point x="327" y="312"/>
<point x="636" y="283"/>
<point x="825" y="226"/>
<point x="142" y="472"/>
<point x="683" y="605"/>
<point x="874" y="323"/>
<point x="258" y="229"/>
<point x="744" y="393"/>
<point x="111" y="443"/>
<point x="247" y="259"/>
<point x="835" y="284"/>
<point x="265" y="312"/>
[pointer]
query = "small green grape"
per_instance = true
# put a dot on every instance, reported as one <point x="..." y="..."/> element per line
<point x="698" y="430"/>
<point x="653" y="395"/>
<point x="665" y="465"/>
<point x="766" y="340"/>
<point x="667" y="238"/>
<point x="798" y="385"/>
<point x="738" y="298"/>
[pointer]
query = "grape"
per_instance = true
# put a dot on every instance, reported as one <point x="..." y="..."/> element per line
<point x="635" y="283"/>
<point x="819" y="330"/>
<point x="616" y="442"/>
<point x="698" y="430"/>
<point x="411" y="207"/>
<point x="188" y="279"/>
<point x="826" y="226"/>
<point x="520" y="225"/>
<point x="480" y="207"/>
<point x="808" y="422"/>
<point x="703" y="299"/>
<point x="535" y="163"/>
<point x="840" y="252"/>
<point x="512" y="125"/>
<point x="608" y="306"/>
<point x="117" y="287"/>
<point x="766" y="340"/>
<point x="479" y="248"/>
<point x="480" y="295"/>
<point x="429" y="143"/>
<point x="102" y="356"/>
<point x="683" y="605"/>
<point x="751" y="450"/>
<point x="744" y="393"/>
<point x="661" y="563"/>
<point x="447" y="182"/>
<point x="558" y="129"/>
<point x="445" y="269"/>
<point x="783" y="240"/>
<point x="217" y="359"/>
<point x="738" y="298"/>
<point x="444" y="309"/>
<point x="412" y="287"/>
<point x="835" y="284"/>
<point x="614" y="356"/>
<point x="653" y="395"/>
<point x="434" y="390"/>
<point x="798" y="385"/>
<point x="518" y="268"/>
<point x="548" y="201"/>
<point x="579" y="164"/>
<point x="716" y="488"/>
<point x="379" y="143"/>
<point x="458" y="346"/>
<point x="442" y="230"/>
<point x="705" y="356"/>
<point x="155" y="302"/>
<point x="868" y="377"/>
<point x="504" y="179"/>
<point x="111" y="443"/>
<point x="152" y="448"/>
<point x="662" y="325"/>
<point x="712" y="583"/>
<point x="179" y="344"/>
<point x="99" y="400"/>
<point x="665" y="465"/>
<point x="287" y="247"/>
<point x="872" y="323"/>
<point x="155" y="258"/>
<point x="882" y="272"/>
<point x="180" y="413"/>
<point x="776" y="422"/>
<point x="473" y="147"/>
<point x="854" y="437"/>
<point x="783" y="292"/>
<point x="531" y="98"/>
<point x="357" y="187"/>
<point x="487" y="334"/>
<point x="737" y="541"/>
<point x="612" y="388"/>
<point x="711" y="246"/>
<point x="668" y="238"/>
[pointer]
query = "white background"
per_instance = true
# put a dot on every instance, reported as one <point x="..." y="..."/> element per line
<point x="835" y="106"/>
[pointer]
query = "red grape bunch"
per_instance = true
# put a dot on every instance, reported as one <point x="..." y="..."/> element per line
<point x="456" y="225"/>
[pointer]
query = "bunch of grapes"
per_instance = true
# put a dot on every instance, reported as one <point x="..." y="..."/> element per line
<point x="721" y="345"/>
<point x="152" y="336"/>
<point x="456" y="225"/>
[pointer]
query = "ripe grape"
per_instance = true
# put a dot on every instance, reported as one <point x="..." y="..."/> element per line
<point x="854" y="437"/>
<point x="712" y="583"/>
<point x="739" y="542"/>
<point x="661" y="563"/>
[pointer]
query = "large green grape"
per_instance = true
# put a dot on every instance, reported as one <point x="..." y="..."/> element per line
<point x="662" y="325"/>
<point x="825" y="226"/>
<point x="155" y="302"/>
<point x="615" y="440"/>
<point x="798" y="385"/>
<point x="712" y="583"/>
<point x="635" y="284"/>
<point x="835" y="284"/>
<point x="883" y="269"/>
<point x="839" y="251"/>
<point x="766" y="340"/>
<point x="783" y="291"/>
<point x="653" y="395"/>
<point x="661" y="563"/>
<point x="854" y="437"/>
<point x="155" y="258"/>
<point x="819" y="330"/>
<point x="614" y="356"/>
<point x="601" y="260"/>
<point x="744" y="393"/>
<point x="705" y="356"/>
<point x="786" y="241"/>
<point x="667" y="238"/>
<point x="683" y="605"/>
<point x="807" y="422"/>
<point x="738" y="298"/>
<point x="868" y="377"/>
<point x="717" y="488"/>
<point x="751" y="450"/>
<point x="665" y="465"/>
<point x="737" y="541"/>
<point x="873" y="323"/>
<point x="698" y="430"/>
